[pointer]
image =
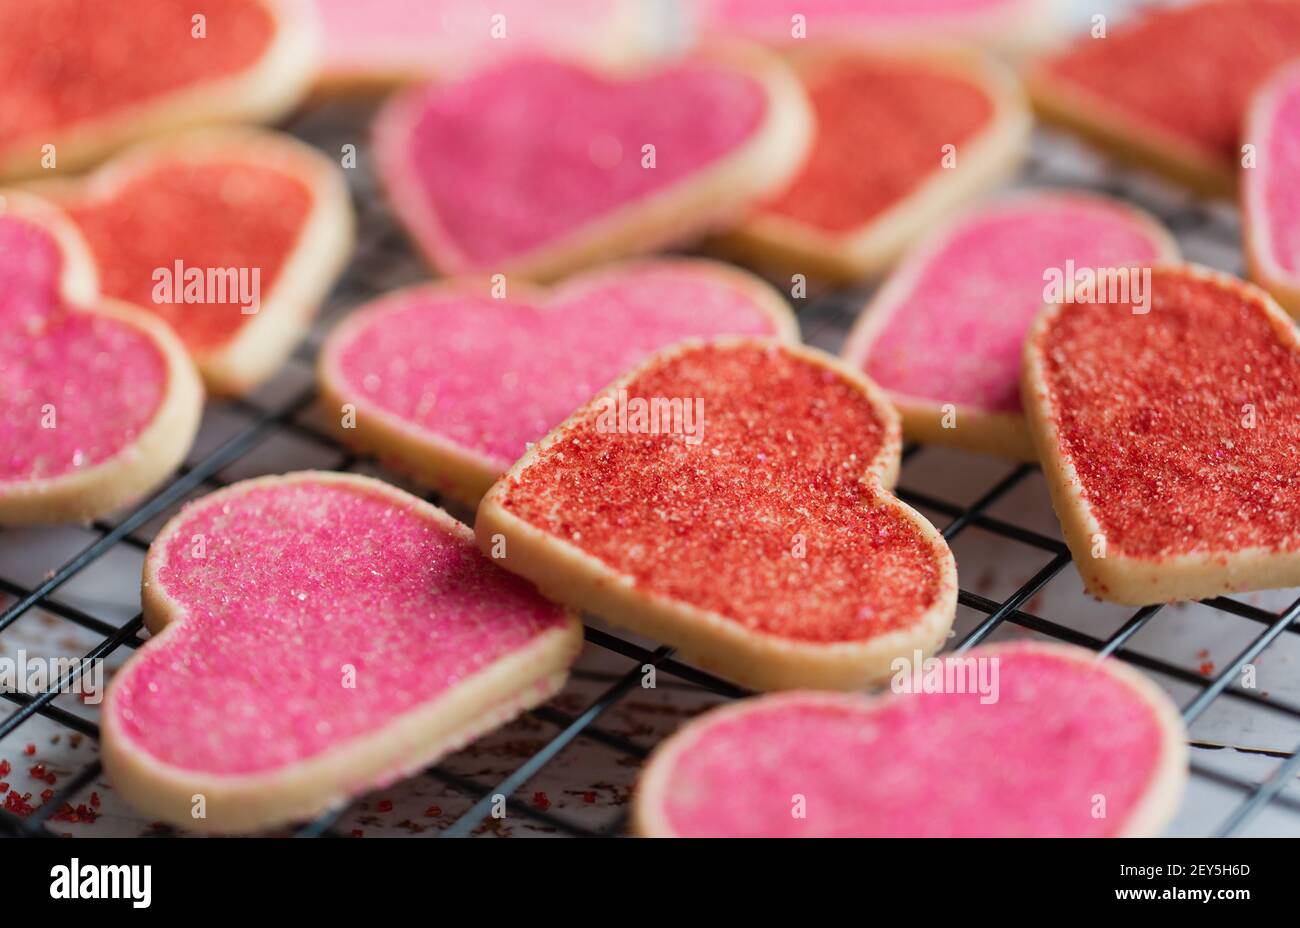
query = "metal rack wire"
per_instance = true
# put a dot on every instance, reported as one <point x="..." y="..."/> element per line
<point x="824" y="319"/>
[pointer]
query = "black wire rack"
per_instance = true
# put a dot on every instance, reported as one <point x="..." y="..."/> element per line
<point x="383" y="260"/>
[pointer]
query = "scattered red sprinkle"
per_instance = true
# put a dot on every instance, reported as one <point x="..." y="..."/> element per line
<point x="94" y="799"/>
<point x="385" y="805"/>
<point x="47" y="795"/>
<point x="1207" y="668"/>
<point x="433" y="811"/>
<point x="4" y="787"/>
<point x="357" y="832"/>
<point x="1203" y="653"/>
<point x="17" y="804"/>
<point x="589" y="796"/>
<point x="37" y="772"/>
<point x="4" y="768"/>
<point x="29" y="750"/>
<point x="540" y="800"/>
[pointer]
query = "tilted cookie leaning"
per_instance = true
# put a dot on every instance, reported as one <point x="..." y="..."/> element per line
<point x="316" y="635"/>
<point x="233" y="236"/>
<point x="945" y="335"/>
<point x="730" y="498"/>
<point x="98" y="400"/>
<point x="899" y="142"/>
<point x="1013" y="740"/>
<point x="1269" y="217"/>
<point x="537" y="167"/>
<point x="456" y="410"/>
<point x="1168" y="435"/>
<point x="80" y="78"/>
<point x="1169" y="87"/>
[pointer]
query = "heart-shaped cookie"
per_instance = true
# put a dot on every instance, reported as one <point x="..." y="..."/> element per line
<point x="1012" y="25"/>
<point x="945" y="335"/>
<point x="730" y="498"/>
<point x="452" y="386"/>
<point x="899" y="142"/>
<point x="536" y="167"/>
<point x="79" y="78"/>
<point x="98" y="401"/>
<point x="1270" y="189"/>
<point x="316" y="635"/>
<point x="1170" y="438"/>
<point x="232" y="237"/>
<point x="1017" y="740"/>
<point x="1169" y="88"/>
<point x="388" y="41"/>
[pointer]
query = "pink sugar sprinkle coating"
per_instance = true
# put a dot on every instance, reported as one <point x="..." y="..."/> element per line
<point x="932" y="765"/>
<point x="829" y="13"/>
<point x="958" y="334"/>
<point x="381" y="34"/>
<point x="103" y="379"/>
<point x="493" y="375"/>
<point x="1279" y="168"/>
<point x="298" y="581"/>
<point x="521" y="155"/>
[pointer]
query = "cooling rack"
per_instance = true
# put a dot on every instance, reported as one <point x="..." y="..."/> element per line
<point x="566" y="768"/>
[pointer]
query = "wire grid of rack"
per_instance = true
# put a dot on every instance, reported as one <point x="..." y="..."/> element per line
<point x="384" y="260"/>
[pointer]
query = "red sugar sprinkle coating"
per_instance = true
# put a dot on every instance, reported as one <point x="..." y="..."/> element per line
<point x="4" y="787"/>
<point x="1153" y="411"/>
<point x="881" y="128"/>
<point x="29" y="750"/>
<point x="99" y="57"/>
<point x="205" y="215"/>
<point x="541" y="801"/>
<point x="4" y="768"/>
<point x="785" y="445"/>
<point x="384" y="805"/>
<point x="1188" y="71"/>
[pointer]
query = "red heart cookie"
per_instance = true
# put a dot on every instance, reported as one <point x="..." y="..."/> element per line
<point x="1018" y="740"/>
<point x="98" y="402"/>
<point x="899" y="142"/>
<point x="945" y="335"/>
<point x="1270" y="190"/>
<point x="232" y="237"/>
<point x="1171" y="438"/>
<point x="453" y="386"/>
<point x="390" y="41"/>
<point x="1014" y="25"/>
<point x="85" y="77"/>
<point x="314" y="636"/>
<point x="538" y="167"/>
<point x="1170" y="87"/>
<point x="730" y="498"/>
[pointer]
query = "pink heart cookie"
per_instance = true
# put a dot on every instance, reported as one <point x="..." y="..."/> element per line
<point x="98" y="402"/>
<point x="945" y="335"/>
<point x="79" y="78"/>
<point x="1014" y="25"/>
<point x="1270" y="189"/>
<point x="1017" y="740"/>
<point x="316" y="635"/>
<point x="453" y="386"/>
<point x="731" y="498"/>
<point x="388" y="41"/>
<point x="537" y="167"/>
<point x="192" y="226"/>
